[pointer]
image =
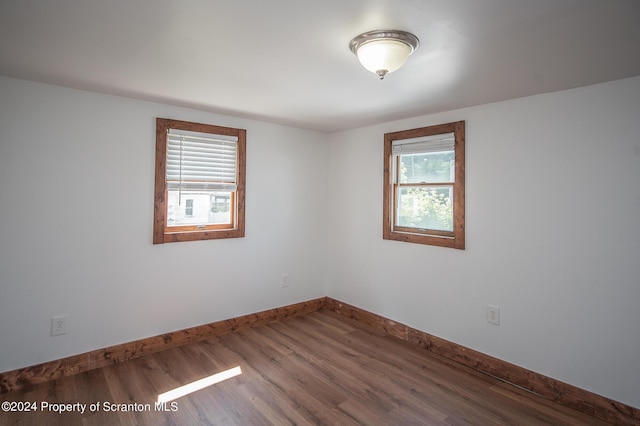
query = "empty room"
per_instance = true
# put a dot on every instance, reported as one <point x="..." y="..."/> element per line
<point x="340" y="212"/>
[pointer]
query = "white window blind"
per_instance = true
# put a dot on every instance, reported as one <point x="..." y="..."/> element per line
<point x="201" y="161"/>
<point x="436" y="143"/>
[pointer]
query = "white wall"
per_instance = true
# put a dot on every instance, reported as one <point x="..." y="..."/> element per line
<point x="553" y="237"/>
<point x="566" y="277"/>
<point x="76" y="214"/>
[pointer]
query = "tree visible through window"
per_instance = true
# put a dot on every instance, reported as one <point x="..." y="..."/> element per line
<point x="200" y="178"/>
<point x="424" y="185"/>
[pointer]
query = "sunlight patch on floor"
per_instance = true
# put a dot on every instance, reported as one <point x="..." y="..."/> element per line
<point x="199" y="384"/>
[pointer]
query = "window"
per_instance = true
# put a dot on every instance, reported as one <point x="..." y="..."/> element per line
<point x="188" y="209"/>
<point x="200" y="180"/>
<point x="424" y="185"/>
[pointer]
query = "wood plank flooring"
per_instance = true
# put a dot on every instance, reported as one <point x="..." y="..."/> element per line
<point x="317" y="368"/>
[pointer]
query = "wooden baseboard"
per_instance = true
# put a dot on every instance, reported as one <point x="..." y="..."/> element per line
<point x="554" y="390"/>
<point x="27" y="376"/>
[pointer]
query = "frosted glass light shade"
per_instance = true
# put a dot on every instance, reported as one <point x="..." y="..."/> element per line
<point x="384" y="51"/>
<point x="383" y="55"/>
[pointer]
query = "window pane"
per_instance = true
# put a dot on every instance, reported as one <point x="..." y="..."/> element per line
<point x="426" y="207"/>
<point x="430" y="167"/>
<point x="198" y="208"/>
<point x="188" y="210"/>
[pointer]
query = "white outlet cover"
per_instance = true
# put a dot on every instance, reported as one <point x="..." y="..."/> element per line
<point x="59" y="325"/>
<point x="493" y="314"/>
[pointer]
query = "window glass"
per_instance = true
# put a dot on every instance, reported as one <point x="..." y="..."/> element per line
<point x="427" y="167"/>
<point x="426" y="207"/>
<point x="201" y="208"/>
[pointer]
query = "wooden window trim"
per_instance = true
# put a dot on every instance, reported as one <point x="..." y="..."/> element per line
<point x="455" y="239"/>
<point x="163" y="234"/>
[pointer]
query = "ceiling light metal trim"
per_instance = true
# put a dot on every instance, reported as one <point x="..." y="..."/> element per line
<point x="404" y="37"/>
<point x="397" y="35"/>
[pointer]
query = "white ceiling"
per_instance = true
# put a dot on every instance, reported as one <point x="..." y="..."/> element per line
<point x="288" y="61"/>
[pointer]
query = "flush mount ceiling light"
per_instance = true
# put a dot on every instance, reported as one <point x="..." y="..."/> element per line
<point x="384" y="51"/>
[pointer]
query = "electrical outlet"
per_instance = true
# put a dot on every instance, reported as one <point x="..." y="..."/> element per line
<point x="59" y="325"/>
<point x="285" y="280"/>
<point x="493" y="314"/>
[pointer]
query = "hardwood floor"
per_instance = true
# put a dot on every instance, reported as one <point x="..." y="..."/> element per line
<point x="317" y="368"/>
